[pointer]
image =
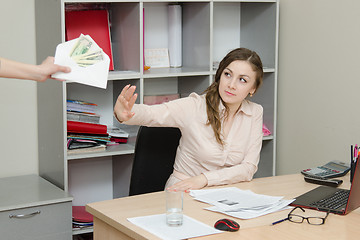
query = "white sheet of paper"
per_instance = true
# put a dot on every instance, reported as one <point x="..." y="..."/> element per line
<point x="95" y="75"/>
<point x="243" y="204"/>
<point x="156" y="224"/>
<point x="232" y="198"/>
<point x="248" y="214"/>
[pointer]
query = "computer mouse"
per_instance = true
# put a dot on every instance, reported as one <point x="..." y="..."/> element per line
<point x="227" y="225"/>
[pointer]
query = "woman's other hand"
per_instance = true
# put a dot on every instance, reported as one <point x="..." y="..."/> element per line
<point x="192" y="183"/>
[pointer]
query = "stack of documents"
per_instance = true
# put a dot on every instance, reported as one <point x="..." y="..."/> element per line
<point x="239" y="203"/>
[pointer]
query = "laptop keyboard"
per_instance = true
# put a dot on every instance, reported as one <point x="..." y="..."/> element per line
<point x="338" y="199"/>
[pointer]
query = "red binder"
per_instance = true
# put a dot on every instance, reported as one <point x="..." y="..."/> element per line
<point x="81" y="215"/>
<point x="87" y="128"/>
<point x="94" y="23"/>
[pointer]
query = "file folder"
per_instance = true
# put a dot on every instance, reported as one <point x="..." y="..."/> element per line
<point x="90" y="22"/>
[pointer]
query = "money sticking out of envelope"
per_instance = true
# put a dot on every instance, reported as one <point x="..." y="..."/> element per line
<point x="88" y="62"/>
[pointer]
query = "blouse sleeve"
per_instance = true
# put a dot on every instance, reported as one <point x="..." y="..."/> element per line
<point x="176" y="113"/>
<point x="247" y="168"/>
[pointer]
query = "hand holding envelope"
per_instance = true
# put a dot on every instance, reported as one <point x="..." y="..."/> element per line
<point x="88" y="62"/>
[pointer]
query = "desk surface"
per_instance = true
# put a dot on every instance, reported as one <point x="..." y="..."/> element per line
<point x="111" y="216"/>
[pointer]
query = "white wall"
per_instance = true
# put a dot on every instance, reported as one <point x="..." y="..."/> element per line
<point x="318" y="86"/>
<point x="319" y="83"/>
<point x="18" y="121"/>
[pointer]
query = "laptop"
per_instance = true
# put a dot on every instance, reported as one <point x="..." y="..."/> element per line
<point x="331" y="199"/>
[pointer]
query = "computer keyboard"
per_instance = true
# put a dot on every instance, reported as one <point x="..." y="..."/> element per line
<point x="338" y="199"/>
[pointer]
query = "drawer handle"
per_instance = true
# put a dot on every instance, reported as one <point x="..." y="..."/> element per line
<point x="24" y="215"/>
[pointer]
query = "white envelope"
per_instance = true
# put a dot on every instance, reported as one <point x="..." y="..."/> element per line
<point x="95" y="75"/>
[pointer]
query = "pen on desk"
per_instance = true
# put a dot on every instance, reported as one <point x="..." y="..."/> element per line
<point x="280" y="221"/>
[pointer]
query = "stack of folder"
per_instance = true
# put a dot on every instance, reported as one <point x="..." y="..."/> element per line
<point x="86" y="137"/>
<point x="84" y="132"/>
<point x="81" y="218"/>
<point x="82" y="111"/>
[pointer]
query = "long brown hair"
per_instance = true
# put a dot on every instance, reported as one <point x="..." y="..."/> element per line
<point x="212" y="92"/>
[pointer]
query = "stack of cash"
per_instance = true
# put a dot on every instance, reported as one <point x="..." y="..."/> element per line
<point x="83" y="54"/>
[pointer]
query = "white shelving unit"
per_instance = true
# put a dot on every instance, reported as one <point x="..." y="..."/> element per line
<point x="210" y="29"/>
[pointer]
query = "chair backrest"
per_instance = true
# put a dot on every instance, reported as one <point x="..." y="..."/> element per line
<point x="154" y="158"/>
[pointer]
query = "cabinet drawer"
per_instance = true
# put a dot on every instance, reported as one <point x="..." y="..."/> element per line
<point x="51" y="221"/>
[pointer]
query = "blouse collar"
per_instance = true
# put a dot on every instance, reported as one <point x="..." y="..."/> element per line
<point x="245" y="107"/>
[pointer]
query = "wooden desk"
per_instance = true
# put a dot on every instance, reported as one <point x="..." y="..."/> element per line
<point x="110" y="217"/>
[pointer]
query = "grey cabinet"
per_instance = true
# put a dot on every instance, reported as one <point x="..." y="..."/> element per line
<point x="31" y="208"/>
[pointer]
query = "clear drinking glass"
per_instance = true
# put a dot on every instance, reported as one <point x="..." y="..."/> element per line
<point x="174" y="207"/>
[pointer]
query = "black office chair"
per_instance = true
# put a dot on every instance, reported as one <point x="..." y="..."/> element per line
<point x="154" y="158"/>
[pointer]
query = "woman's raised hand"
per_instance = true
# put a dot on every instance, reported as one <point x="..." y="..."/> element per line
<point x="124" y="103"/>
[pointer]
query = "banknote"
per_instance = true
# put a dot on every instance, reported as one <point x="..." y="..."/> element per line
<point x="82" y="53"/>
<point x="82" y="46"/>
<point x="97" y="55"/>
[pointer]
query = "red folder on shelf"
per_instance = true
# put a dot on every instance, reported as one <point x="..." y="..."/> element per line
<point x="81" y="215"/>
<point x="87" y="128"/>
<point x="90" y="22"/>
<point x="119" y="140"/>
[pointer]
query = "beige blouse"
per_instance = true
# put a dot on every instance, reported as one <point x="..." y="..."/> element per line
<point x="198" y="150"/>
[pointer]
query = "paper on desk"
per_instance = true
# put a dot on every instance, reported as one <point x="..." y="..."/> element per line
<point x="94" y="75"/>
<point x="156" y="224"/>
<point x="253" y="213"/>
<point x="239" y="203"/>
<point x="232" y="199"/>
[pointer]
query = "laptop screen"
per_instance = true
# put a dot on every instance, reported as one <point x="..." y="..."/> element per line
<point x="354" y="197"/>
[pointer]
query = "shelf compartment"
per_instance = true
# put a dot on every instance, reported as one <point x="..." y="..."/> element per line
<point x="125" y="35"/>
<point x="195" y="31"/>
<point x="183" y="85"/>
<point x="236" y="29"/>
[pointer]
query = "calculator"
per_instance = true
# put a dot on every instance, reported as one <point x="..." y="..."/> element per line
<point x="330" y="170"/>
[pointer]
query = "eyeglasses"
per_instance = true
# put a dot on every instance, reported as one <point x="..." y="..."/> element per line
<point x="295" y="218"/>
<point x="311" y="220"/>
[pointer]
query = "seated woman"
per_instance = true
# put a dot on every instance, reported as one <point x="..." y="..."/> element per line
<point x="221" y="130"/>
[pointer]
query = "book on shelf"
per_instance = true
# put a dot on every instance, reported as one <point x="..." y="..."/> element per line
<point x="86" y="128"/>
<point x="83" y="117"/>
<point x="94" y="23"/>
<point x="80" y="106"/>
<point x="86" y="137"/>
<point x="95" y="137"/>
